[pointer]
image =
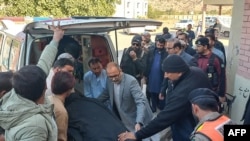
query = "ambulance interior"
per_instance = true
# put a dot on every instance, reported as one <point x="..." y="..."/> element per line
<point x="91" y="46"/>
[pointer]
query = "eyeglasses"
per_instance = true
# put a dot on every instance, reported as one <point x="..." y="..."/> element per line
<point x="169" y="48"/>
<point x="135" y="44"/>
<point x="114" y="76"/>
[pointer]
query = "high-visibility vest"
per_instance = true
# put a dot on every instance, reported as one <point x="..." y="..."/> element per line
<point x="214" y="129"/>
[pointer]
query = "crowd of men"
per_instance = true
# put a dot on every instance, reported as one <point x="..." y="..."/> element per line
<point x="186" y="87"/>
<point x="208" y="55"/>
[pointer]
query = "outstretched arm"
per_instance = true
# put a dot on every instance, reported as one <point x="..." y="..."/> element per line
<point x="49" y="53"/>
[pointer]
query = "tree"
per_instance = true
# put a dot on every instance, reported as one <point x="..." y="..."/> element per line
<point x="89" y="7"/>
<point x="18" y="7"/>
<point x="154" y="13"/>
<point x="58" y="8"/>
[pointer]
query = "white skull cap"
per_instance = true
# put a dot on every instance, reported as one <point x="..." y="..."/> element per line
<point x="66" y="55"/>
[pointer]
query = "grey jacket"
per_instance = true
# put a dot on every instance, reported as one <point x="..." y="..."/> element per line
<point x="24" y="120"/>
<point x="133" y="103"/>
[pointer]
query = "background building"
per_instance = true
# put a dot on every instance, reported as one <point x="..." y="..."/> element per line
<point x="132" y="9"/>
<point x="238" y="67"/>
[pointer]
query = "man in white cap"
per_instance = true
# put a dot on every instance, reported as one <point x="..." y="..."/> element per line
<point x="63" y="64"/>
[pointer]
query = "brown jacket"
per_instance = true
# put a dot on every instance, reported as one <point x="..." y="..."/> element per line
<point x="61" y="116"/>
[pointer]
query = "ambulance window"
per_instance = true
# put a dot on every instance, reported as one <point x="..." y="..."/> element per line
<point x="100" y="49"/>
<point x="36" y="49"/>
<point x="14" y="55"/>
<point x="6" y="53"/>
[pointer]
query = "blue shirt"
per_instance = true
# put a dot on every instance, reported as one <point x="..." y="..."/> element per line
<point x="155" y="80"/>
<point x="219" y="54"/>
<point x="94" y="86"/>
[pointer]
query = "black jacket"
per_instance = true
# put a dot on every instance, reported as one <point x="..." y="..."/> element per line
<point x="150" y="59"/>
<point x="90" y="120"/>
<point x="190" y="50"/>
<point x="177" y="112"/>
<point x="246" y="115"/>
<point x="134" y="68"/>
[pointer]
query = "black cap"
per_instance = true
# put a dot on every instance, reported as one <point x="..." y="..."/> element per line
<point x="203" y="96"/>
<point x="137" y="39"/>
<point x="202" y="41"/>
<point x="174" y="63"/>
<point x="209" y="31"/>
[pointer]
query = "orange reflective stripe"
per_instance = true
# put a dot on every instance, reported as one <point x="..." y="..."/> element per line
<point x="214" y="129"/>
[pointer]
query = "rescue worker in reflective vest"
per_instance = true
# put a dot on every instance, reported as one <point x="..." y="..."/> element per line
<point x="205" y="107"/>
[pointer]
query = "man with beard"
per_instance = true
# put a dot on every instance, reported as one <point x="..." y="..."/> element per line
<point x="216" y="51"/>
<point x="177" y="112"/>
<point x="154" y="74"/>
<point x="187" y="48"/>
<point x="95" y="79"/>
<point x="175" y="46"/>
<point x="205" y="107"/>
<point x="147" y="44"/>
<point x="126" y="98"/>
<point x="213" y="66"/>
<point x="133" y="60"/>
<point x="217" y="44"/>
